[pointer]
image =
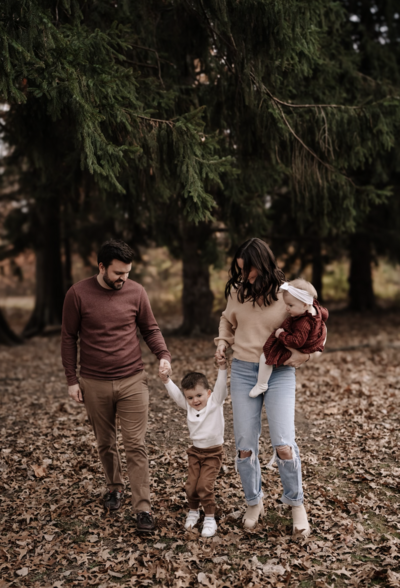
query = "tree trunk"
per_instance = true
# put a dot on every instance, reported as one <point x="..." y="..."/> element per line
<point x="197" y="297"/>
<point x="49" y="270"/>
<point x="317" y="270"/>
<point x="7" y="335"/>
<point x="360" y="279"/>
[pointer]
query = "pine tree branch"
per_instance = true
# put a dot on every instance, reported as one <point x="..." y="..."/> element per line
<point x="141" y="64"/>
<point x="155" y="120"/>
<point x="157" y="57"/>
<point x="290" y="105"/>
<point x="328" y="166"/>
<point x="277" y="103"/>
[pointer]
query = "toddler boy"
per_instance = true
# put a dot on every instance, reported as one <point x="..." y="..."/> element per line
<point x="205" y="419"/>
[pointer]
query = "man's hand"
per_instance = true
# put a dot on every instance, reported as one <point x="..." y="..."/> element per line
<point x="165" y="369"/>
<point x="297" y="358"/>
<point x="76" y="393"/>
<point x="164" y="377"/>
<point x="278" y="332"/>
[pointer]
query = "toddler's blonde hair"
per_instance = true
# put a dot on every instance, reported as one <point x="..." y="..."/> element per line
<point x="304" y="285"/>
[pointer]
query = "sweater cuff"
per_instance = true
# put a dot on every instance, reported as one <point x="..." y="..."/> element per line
<point x="219" y="339"/>
<point x="72" y="381"/>
<point x="165" y="355"/>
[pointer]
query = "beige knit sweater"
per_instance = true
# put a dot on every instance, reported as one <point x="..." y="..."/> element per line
<point x="246" y="328"/>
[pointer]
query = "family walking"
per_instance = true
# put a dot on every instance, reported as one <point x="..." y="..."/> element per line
<point x="272" y="327"/>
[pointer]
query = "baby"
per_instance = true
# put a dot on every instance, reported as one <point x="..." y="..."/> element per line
<point x="304" y="330"/>
<point x="205" y="419"/>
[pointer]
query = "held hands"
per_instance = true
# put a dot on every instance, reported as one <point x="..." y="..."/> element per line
<point x="164" y="370"/>
<point x="222" y="363"/>
<point x="220" y="352"/>
<point x="75" y="393"/>
<point x="220" y="356"/>
<point x="278" y="332"/>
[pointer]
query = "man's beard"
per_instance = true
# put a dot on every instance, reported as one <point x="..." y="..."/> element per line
<point x="117" y="285"/>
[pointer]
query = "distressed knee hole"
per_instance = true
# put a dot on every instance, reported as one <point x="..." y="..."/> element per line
<point x="284" y="452"/>
<point x="243" y="454"/>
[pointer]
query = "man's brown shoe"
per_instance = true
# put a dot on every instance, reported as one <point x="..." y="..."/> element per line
<point x="145" y="522"/>
<point x="112" y="500"/>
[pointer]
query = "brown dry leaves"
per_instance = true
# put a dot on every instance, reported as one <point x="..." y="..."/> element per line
<point x="54" y="532"/>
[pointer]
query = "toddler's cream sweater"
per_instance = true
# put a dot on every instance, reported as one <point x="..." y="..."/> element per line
<point x="246" y="327"/>
<point x="206" y="426"/>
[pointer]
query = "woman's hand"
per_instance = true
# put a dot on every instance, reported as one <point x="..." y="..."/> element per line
<point x="297" y="358"/>
<point x="220" y="352"/>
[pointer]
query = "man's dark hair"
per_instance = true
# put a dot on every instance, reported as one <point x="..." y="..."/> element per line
<point x="114" y="249"/>
<point x="191" y="380"/>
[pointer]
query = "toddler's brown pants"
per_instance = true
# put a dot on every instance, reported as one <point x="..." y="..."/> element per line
<point x="204" y="466"/>
<point x="129" y="398"/>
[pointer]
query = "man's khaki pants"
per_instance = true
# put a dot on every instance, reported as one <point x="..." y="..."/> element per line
<point x="129" y="398"/>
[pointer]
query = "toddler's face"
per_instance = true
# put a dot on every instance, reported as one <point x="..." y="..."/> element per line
<point x="294" y="306"/>
<point x="197" y="397"/>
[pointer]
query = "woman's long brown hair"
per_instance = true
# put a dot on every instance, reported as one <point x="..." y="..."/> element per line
<point x="255" y="253"/>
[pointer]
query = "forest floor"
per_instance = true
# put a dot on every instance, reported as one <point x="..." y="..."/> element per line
<point x="54" y="532"/>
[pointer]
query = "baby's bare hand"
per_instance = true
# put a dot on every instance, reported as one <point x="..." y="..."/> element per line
<point x="278" y="332"/>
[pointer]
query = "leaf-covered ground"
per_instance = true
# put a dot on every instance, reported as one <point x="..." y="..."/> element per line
<point x="53" y="531"/>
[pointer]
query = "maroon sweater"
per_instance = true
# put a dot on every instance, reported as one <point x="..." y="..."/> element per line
<point x="305" y="332"/>
<point x="107" y="321"/>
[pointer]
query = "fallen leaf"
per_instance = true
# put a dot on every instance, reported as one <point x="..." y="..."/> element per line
<point x="115" y="574"/>
<point x="342" y="572"/>
<point x="269" y="569"/>
<point x="23" y="572"/>
<point x="93" y="538"/>
<point x="40" y="471"/>
<point x="393" y="578"/>
<point x="202" y="579"/>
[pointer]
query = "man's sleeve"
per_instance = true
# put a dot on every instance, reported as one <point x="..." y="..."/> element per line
<point x="69" y="335"/>
<point x="150" y="330"/>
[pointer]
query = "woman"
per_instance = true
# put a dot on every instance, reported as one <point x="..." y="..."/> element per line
<point x="255" y="309"/>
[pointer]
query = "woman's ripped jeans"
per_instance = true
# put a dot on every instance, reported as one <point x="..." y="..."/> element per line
<point x="279" y="402"/>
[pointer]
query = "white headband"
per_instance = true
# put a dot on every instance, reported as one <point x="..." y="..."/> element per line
<point x="302" y="295"/>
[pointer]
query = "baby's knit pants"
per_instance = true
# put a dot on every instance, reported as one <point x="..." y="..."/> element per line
<point x="204" y="466"/>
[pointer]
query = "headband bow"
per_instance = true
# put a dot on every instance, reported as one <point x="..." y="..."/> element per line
<point x="302" y="295"/>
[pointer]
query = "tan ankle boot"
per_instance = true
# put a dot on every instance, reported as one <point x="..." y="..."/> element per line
<point x="251" y="515"/>
<point x="301" y="527"/>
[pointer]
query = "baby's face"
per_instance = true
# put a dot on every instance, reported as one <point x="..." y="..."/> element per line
<point x="197" y="397"/>
<point x="294" y="306"/>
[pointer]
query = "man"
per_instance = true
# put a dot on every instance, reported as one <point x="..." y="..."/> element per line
<point x="105" y="311"/>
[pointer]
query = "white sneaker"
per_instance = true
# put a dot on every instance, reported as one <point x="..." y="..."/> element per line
<point x="192" y="518"/>
<point x="257" y="390"/>
<point x="209" y="528"/>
